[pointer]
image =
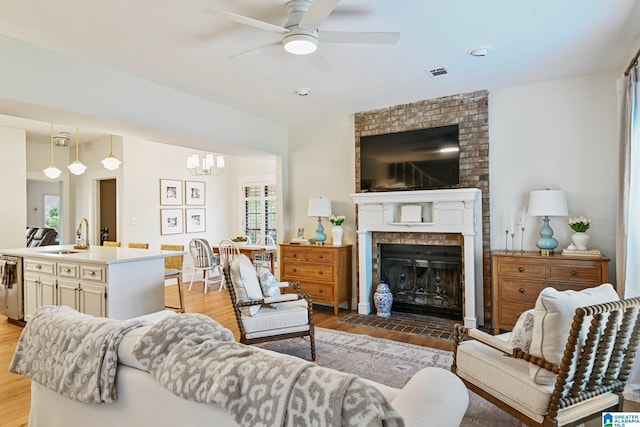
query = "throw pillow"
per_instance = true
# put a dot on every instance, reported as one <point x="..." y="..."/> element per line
<point x="554" y="311"/>
<point x="245" y="282"/>
<point x="523" y="331"/>
<point x="270" y="286"/>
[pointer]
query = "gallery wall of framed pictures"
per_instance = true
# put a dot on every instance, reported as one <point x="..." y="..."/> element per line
<point x="174" y="219"/>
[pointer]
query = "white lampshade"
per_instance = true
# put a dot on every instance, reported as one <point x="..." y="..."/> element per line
<point x="319" y="207"/>
<point x="548" y="203"/>
<point x="52" y="172"/>
<point x="77" y="168"/>
<point x="111" y="162"/>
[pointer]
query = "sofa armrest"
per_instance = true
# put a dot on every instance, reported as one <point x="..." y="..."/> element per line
<point x="422" y="404"/>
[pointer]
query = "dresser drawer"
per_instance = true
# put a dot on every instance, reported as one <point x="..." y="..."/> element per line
<point x="38" y="266"/>
<point x="522" y="291"/>
<point x="509" y="312"/>
<point x="315" y="272"/>
<point x="524" y="269"/>
<point x="93" y="273"/>
<point x="68" y="270"/>
<point x="320" y="292"/>
<point x="591" y="275"/>
<point x="294" y="253"/>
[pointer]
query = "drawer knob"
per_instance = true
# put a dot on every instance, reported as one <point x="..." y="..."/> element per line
<point x="574" y="273"/>
<point x="521" y="269"/>
<point x="295" y="270"/>
<point x="320" y="291"/>
<point x="38" y="266"/>
<point x="320" y="272"/>
<point x="294" y="255"/>
<point x="321" y="256"/>
<point x="92" y="273"/>
<point x="67" y="270"/>
<point x="521" y="290"/>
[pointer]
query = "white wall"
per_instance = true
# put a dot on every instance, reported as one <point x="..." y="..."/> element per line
<point x="13" y="176"/>
<point x="559" y="134"/>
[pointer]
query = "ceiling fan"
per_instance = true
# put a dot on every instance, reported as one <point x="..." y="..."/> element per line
<point x="300" y="35"/>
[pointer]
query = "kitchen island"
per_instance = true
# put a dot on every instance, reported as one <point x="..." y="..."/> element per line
<point x="119" y="283"/>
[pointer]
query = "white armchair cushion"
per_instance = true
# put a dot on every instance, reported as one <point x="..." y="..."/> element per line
<point x="291" y="316"/>
<point x="522" y="332"/>
<point x="554" y="311"/>
<point x="245" y="281"/>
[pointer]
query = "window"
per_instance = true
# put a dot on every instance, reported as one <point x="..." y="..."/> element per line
<point x="259" y="205"/>
<point x="52" y="211"/>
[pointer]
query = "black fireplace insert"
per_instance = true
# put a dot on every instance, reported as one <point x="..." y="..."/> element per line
<point x="424" y="279"/>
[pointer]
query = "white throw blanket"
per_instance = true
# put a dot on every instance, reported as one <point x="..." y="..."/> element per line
<point x="197" y="359"/>
<point x="71" y="353"/>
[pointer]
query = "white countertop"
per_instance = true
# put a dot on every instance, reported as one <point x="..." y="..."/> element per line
<point x="95" y="254"/>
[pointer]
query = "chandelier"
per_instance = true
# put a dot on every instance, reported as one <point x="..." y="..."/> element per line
<point x="205" y="164"/>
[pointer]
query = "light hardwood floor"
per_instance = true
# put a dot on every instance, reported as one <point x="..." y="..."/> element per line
<point x="15" y="389"/>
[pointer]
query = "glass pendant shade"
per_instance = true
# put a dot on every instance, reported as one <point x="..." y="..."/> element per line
<point x="77" y="168"/>
<point x="52" y="172"/>
<point x="205" y="164"/>
<point x="111" y="162"/>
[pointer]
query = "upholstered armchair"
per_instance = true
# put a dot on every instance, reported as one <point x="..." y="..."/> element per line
<point x="566" y="361"/>
<point x="264" y="313"/>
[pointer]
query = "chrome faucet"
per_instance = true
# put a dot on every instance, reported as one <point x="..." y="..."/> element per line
<point x="82" y="243"/>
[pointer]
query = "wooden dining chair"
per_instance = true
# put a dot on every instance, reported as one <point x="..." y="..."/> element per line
<point x="111" y="244"/>
<point x="173" y="270"/>
<point x="229" y="251"/>
<point x="263" y="258"/>
<point x="139" y="245"/>
<point x="204" y="261"/>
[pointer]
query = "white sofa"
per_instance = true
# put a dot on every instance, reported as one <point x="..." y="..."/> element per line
<point x="433" y="396"/>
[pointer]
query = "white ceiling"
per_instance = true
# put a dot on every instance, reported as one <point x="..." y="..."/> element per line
<point x="172" y="42"/>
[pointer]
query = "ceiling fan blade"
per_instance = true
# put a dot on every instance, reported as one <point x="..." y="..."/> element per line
<point x="319" y="61"/>
<point x="317" y="13"/>
<point x="358" y="37"/>
<point x="245" y="20"/>
<point x="253" y="49"/>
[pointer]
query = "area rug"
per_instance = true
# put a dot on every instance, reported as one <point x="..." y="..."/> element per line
<point x="388" y="362"/>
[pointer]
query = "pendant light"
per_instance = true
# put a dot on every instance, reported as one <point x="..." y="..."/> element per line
<point x="52" y="172"/>
<point x="111" y="162"/>
<point x="77" y="168"/>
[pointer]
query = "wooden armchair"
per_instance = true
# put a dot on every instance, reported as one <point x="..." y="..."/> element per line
<point x="267" y="318"/>
<point x="600" y="349"/>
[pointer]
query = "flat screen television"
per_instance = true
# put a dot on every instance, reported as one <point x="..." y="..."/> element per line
<point x="422" y="159"/>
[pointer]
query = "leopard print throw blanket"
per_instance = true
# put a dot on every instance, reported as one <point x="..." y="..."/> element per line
<point x="71" y="353"/>
<point x="197" y="359"/>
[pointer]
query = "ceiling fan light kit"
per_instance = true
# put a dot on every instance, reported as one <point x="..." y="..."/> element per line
<point x="300" y="44"/>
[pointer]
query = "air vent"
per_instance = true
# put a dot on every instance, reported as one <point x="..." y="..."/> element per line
<point x="438" y="72"/>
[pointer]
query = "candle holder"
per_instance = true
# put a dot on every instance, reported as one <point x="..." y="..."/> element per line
<point x="513" y="242"/>
<point x="522" y="241"/>
<point x="506" y="240"/>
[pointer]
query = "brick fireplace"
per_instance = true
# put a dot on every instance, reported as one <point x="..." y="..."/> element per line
<point x="446" y="217"/>
<point x="470" y="111"/>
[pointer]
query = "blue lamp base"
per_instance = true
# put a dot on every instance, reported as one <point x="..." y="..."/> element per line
<point x="546" y="243"/>
<point x="320" y="237"/>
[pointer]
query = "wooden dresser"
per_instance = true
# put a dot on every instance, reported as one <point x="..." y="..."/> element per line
<point x="517" y="280"/>
<point x="324" y="272"/>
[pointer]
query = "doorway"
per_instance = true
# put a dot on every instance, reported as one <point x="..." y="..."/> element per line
<point x="107" y="210"/>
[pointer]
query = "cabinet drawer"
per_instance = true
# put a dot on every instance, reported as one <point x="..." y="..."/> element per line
<point x="294" y="254"/>
<point x="94" y="273"/>
<point x="528" y="270"/>
<point x="320" y="256"/>
<point x="319" y="292"/>
<point x="522" y="291"/>
<point x="38" y="266"/>
<point x="315" y="272"/>
<point x="509" y="312"/>
<point x="592" y="275"/>
<point x="68" y="270"/>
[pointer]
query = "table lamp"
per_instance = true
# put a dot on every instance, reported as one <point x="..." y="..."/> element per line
<point x="546" y="203"/>
<point x="319" y="207"/>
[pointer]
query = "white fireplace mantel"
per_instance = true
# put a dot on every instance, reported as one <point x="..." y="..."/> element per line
<point x="425" y="211"/>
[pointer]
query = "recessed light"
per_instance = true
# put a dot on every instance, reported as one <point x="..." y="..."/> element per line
<point x="479" y="51"/>
<point x="303" y="91"/>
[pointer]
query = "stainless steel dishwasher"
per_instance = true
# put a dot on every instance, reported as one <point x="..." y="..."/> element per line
<point x="11" y="288"/>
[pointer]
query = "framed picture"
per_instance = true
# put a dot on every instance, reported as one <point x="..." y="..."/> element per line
<point x="194" y="193"/>
<point x="171" y="221"/>
<point x="196" y="219"/>
<point x="170" y="192"/>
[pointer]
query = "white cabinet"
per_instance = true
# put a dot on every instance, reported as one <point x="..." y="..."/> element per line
<point x="79" y="286"/>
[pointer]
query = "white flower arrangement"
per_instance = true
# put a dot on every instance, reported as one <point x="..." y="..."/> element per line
<point x="337" y="220"/>
<point x="579" y="224"/>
